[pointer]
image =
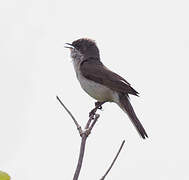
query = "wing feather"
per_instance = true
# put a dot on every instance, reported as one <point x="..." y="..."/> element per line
<point x="96" y="71"/>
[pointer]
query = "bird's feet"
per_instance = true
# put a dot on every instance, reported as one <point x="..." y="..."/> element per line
<point x="98" y="105"/>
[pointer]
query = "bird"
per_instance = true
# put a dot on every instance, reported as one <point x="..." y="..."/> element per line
<point x="101" y="83"/>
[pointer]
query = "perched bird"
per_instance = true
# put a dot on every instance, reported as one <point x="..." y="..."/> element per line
<point x="101" y="83"/>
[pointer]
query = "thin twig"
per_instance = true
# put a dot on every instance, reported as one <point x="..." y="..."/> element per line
<point x="71" y="115"/>
<point x="113" y="160"/>
<point x="89" y="122"/>
<point x="94" y="122"/>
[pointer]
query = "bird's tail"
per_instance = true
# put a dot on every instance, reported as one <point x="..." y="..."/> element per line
<point x="126" y="106"/>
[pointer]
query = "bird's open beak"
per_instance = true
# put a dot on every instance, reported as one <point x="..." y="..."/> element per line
<point x="70" y="46"/>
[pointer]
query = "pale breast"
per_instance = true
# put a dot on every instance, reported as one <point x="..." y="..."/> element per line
<point x="96" y="90"/>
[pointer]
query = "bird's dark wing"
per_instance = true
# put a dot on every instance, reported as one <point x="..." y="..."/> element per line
<point x="96" y="71"/>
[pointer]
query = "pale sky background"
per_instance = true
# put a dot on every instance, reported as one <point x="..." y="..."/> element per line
<point x="147" y="42"/>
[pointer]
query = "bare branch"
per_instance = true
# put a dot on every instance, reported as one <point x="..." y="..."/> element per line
<point x="76" y="123"/>
<point x="83" y="133"/>
<point x="94" y="122"/>
<point x="89" y="121"/>
<point x="81" y="155"/>
<point x="113" y="160"/>
<point x="83" y="142"/>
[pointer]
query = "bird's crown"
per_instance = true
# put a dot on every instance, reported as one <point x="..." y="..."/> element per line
<point x="87" y="47"/>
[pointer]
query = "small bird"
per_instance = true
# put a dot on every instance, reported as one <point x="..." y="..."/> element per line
<point x="101" y="83"/>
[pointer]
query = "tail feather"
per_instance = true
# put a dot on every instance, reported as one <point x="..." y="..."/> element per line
<point x="127" y="107"/>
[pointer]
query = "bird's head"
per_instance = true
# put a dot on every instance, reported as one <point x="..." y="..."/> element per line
<point x="84" y="47"/>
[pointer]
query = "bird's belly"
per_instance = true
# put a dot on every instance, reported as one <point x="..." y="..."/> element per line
<point x="96" y="90"/>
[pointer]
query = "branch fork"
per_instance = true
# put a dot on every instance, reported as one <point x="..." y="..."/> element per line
<point x="84" y="133"/>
